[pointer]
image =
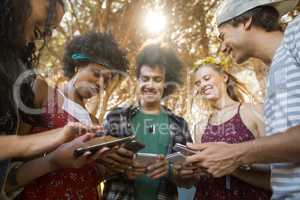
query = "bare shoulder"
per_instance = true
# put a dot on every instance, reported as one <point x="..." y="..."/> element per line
<point x="199" y="129"/>
<point x="252" y="115"/>
<point x="40" y="89"/>
<point x="252" y="109"/>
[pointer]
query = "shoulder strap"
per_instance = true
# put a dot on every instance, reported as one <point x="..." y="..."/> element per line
<point x="239" y="108"/>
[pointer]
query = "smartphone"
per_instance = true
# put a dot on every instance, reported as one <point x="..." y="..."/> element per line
<point x="146" y="158"/>
<point x="101" y="133"/>
<point x="134" y="146"/>
<point x="176" y="158"/>
<point x="184" y="149"/>
<point x="98" y="143"/>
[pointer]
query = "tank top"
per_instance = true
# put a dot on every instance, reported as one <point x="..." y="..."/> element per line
<point x="228" y="188"/>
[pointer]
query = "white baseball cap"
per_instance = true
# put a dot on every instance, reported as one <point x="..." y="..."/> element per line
<point x="230" y="9"/>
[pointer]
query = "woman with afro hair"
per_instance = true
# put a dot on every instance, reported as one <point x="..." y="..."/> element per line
<point x="90" y="61"/>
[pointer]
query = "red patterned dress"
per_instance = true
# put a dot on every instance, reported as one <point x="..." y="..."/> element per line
<point x="229" y="187"/>
<point x="66" y="184"/>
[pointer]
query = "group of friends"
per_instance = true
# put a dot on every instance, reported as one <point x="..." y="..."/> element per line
<point x="242" y="151"/>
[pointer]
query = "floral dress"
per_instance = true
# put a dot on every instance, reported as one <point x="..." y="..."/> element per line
<point x="65" y="184"/>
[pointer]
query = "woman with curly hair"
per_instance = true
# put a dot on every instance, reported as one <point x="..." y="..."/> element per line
<point x="89" y="62"/>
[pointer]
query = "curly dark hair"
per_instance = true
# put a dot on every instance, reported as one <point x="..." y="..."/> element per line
<point x="17" y="55"/>
<point x="100" y="47"/>
<point x="265" y="17"/>
<point x="155" y="55"/>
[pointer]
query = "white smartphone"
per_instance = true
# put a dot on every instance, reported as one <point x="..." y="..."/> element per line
<point x="176" y="158"/>
<point x="184" y="149"/>
<point x="146" y="158"/>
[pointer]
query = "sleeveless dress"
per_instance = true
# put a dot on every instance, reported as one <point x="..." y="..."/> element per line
<point x="228" y="187"/>
<point x="65" y="184"/>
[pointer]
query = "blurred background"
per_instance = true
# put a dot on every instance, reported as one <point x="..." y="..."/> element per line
<point x="188" y="26"/>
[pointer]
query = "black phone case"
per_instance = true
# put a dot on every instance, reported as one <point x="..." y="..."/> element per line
<point x="134" y="146"/>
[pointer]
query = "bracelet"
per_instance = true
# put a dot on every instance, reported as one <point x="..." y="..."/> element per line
<point x="172" y="171"/>
<point x="12" y="177"/>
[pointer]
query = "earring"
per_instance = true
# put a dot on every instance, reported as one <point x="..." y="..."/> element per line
<point x="76" y="70"/>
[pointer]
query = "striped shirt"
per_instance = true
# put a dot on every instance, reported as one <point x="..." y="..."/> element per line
<point x="282" y="107"/>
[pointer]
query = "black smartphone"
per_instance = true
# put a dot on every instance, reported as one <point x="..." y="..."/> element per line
<point x="134" y="146"/>
<point x="96" y="144"/>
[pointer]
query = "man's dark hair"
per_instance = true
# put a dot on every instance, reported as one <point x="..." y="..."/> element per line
<point x="154" y="55"/>
<point x="101" y="47"/>
<point x="265" y="17"/>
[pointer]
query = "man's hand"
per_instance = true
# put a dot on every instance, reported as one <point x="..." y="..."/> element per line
<point x="118" y="159"/>
<point x="63" y="156"/>
<point x="136" y="170"/>
<point x="219" y="159"/>
<point x="159" y="169"/>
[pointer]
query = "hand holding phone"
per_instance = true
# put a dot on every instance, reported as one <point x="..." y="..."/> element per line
<point x="184" y="149"/>
<point x="146" y="158"/>
<point x="106" y="141"/>
<point x="134" y="146"/>
<point x="176" y="158"/>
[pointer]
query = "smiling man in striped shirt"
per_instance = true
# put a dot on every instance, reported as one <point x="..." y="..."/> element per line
<point x="251" y="29"/>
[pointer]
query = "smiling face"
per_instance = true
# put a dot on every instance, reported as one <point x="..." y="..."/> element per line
<point x="151" y="84"/>
<point x="91" y="79"/>
<point x="210" y="83"/>
<point x="235" y="41"/>
<point x="35" y="24"/>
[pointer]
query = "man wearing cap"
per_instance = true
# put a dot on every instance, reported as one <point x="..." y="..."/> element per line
<point x="251" y="29"/>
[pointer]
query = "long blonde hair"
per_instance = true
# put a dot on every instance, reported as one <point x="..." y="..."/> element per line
<point x="235" y="89"/>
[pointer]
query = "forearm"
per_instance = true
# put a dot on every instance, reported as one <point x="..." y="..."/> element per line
<point x="30" y="171"/>
<point x="254" y="177"/>
<point x="43" y="142"/>
<point x="25" y="146"/>
<point x="283" y="147"/>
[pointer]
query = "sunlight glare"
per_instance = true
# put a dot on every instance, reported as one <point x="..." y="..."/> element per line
<point x="155" y="22"/>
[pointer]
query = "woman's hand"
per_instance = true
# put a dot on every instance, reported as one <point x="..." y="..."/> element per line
<point x="218" y="159"/>
<point x="75" y="129"/>
<point x="63" y="156"/>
